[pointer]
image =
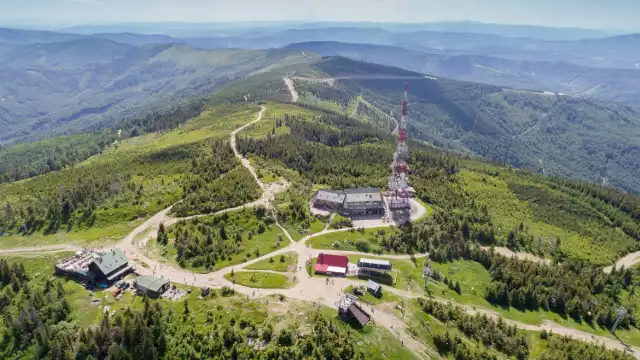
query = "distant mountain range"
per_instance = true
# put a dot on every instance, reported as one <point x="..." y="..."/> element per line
<point x="55" y="83"/>
<point x="619" y="85"/>
<point x="622" y="51"/>
<point x="60" y="87"/>
<point x="178" y="29"/>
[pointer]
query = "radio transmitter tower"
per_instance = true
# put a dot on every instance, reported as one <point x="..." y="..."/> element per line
<point x="399" y="190"/>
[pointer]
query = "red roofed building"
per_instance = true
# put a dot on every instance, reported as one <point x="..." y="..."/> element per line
<point x="331" y="264"/>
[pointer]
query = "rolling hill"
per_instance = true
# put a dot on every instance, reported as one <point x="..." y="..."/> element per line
<point x="554" y="134"/>
<point x="519" y="43"/>
<point x="59" y="87"/>
<point x="618" y="85"/>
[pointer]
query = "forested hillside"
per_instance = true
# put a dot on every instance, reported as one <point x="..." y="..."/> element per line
<point x="140" y="174"/>
<point x="61" y="87"/>
<point x="552" y="134"/>
<point x="618" y="85"/>
<point x="48" y="319"/>
<point x="579" y="226"/>
<point x="183" y="157"/>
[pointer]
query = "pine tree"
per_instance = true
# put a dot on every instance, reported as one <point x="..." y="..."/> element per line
<point x="223" y="232"/>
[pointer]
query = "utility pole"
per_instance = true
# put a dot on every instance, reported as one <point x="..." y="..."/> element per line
<point x="622" y="312"/>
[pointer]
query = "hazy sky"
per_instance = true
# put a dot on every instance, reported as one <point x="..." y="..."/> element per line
<point x="612" y="14"/>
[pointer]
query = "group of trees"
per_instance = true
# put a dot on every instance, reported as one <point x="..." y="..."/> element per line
<point x="504" y="338"/>
<point x="292" y="206"/>
<point x="579" y="290"/>
<point x="565" y="348"/>
<point x="32" y="159"/>
<point x="96" y="194"/>
<point x="203" y="242"/>
<point x="492" y="333"/>
<point x="334" y="130"/>
<point x="622" y="209"/>
<point x="454" y="345"/>
<point x="33" y="315"/>
<point x="339" y="164"/>
<point x="238" y="339"/>
<point x="215" y="182"/>
<point x="39" y="323"/>
<point x="27" y="160"/>
<point x="335" y="166"/>
<point x="159" y="120"/>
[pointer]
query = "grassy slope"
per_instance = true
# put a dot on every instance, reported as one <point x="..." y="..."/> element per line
<point x="474" y="279"/>
<point x="160" y="179"/>
<point x="369" y="298"/>
<point x="261" y="280"/>
<point x="266" y="242"/>
<point x="347" y="239"/>
<point x="290" y="259"/>
<point x="583" y="232"/>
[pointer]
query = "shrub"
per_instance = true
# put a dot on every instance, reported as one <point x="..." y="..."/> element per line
<point x="340" y="221"/>
<point x="363" y="245"/>
<point x="226" y="291"/>
<point x="376" y="249"/>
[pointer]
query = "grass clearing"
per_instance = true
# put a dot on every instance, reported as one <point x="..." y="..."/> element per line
<point x="474" y="279"/>
<point x="86" y="237"/>
<point x="369" y="298"/>
<point x="134" y="180"/>
<point x="548" y="215"/>
<point x="253" y="242"/>
<point x="406" y="273"/>
<point x="262" y="280"/>
<point x="280" y="262"/>
<point x="346" y="240"/>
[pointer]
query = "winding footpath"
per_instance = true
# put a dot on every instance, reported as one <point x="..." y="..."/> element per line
<point x="307" y="288"/>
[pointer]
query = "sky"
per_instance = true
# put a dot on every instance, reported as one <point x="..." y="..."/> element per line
<point x="596" y="14"/>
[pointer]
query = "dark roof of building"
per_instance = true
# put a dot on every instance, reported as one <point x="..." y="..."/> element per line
<point x="361" y="190"/>
<point x="330" y="196"/>
<point x="333" y="260"/>
<point x="363" y="195"/>
<point x="151" y="283"/>
<point x="111" y="261"/>
<point x="123" y="270"/>
<point x="373" y="286"/>
<point x="361" y="317"/>
<point x="374" y="263"/>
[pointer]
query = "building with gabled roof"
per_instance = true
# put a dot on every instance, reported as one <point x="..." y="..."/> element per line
<point x="375" y="265"/>
<point x="349" y="309"/>
<point x="331" y="264"/>
<point x="151" y="285"/>
<point x="359" y="201"/>
<point x="374" y="288"/>
<point x="110" y="266"/>
<point x="99" y="268"/>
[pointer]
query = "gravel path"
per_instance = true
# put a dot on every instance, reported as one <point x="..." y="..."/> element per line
<point x="292" y="89"/>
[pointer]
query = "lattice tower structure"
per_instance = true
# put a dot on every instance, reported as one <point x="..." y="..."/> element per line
<point x="399" y="190"/>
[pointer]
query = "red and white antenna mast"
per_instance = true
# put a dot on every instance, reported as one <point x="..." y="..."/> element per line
<point x="399" y="190"/>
